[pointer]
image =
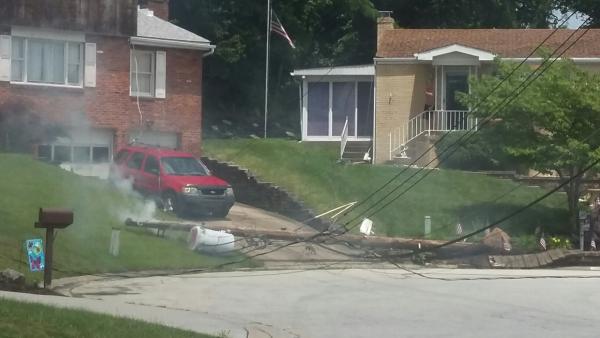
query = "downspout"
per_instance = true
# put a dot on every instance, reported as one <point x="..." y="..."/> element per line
<point x="374" y="137"/>
<point x="209" y="53"/>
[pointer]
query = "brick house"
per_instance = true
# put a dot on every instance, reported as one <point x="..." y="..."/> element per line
<point x="110" y="71"/>
<point x="416" y="74"/>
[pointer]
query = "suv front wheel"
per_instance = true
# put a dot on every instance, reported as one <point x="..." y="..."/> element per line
<point x="220" y="212"/>
<point x="170" y="203"/>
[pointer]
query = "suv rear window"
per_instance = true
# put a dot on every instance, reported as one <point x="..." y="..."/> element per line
<point x="121" y="156"/>
<point x="135" y="161"/>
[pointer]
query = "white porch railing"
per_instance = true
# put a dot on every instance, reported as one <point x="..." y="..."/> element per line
<point x="426" y="123"/>
<point x="344" y="139"/>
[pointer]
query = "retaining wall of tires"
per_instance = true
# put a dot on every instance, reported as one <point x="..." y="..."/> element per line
<point x="251" y="190"/>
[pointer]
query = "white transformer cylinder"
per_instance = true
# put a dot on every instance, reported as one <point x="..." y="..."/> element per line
<point x="210" y="241"/>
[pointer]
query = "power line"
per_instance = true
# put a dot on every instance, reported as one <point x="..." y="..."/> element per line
<point x="325" y="232"/>
<point x="509" y="216"/>
<point x="454" y="146"/>
<point x="476" y="106"/>
<point x="510" y="191"/>
<point x="534" y="73"/>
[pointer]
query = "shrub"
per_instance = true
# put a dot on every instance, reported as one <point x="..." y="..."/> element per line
<point x="478" y="152"/>
<point x="559" y="242"/>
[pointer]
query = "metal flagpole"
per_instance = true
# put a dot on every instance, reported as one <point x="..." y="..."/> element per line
<point x="267" y="65"/>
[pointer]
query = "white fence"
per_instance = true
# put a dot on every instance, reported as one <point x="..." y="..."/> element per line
<point x="426" y="123"/>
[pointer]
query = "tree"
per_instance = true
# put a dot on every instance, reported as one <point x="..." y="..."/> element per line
<point x="326" y="32"/>
<point x="470" y="13"/>
<point x="590" y="8"/>
<point x="552" y="127"/>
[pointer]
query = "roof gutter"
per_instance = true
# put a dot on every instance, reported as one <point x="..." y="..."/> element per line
<point x="538" y="59"/>
<point x="209" y="53"/>
<point x="154" y="42"/>
<point x="398" y="60"/>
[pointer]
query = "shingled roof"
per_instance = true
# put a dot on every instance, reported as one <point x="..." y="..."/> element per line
<point x="508" y="43"/>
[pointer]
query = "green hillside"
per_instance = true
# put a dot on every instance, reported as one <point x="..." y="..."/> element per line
<point x="310" y="171"/>
<point x="28" y="184"/>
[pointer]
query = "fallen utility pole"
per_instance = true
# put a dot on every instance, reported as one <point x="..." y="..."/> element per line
<point x="379" y="242"/>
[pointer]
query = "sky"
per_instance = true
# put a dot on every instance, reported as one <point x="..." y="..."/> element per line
<point x="575" y="21"/>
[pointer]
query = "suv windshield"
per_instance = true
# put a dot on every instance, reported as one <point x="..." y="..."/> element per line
<point x="183" y="166"/>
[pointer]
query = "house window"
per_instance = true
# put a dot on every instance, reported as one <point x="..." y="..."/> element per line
<point x="74" y="153"/>
<point x="328" y="104"/>
<point x="46" y="61"/>
<point x="318" y="108"/>
<point x="143" y="71"/>
<point x="100" y="154"/>
<point x="343" y="107"/>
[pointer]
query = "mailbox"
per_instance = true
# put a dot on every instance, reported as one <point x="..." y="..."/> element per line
<point x="54" y="218"/>
<point x="50" y="219"/>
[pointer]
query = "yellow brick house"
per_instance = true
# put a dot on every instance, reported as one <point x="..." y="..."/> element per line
<point x="413" y="80"/>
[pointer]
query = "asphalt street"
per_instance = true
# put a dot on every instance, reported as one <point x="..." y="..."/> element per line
<point x="357" y="302"/>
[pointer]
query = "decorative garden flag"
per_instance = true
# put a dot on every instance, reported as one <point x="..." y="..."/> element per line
<point x="35" y="254"/>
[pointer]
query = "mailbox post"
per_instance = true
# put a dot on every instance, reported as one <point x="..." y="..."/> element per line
<point x="50" y="219"/>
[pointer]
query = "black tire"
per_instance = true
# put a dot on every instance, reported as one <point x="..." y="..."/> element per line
<point x="221" y="212"/>
<point x="171" y="203"/>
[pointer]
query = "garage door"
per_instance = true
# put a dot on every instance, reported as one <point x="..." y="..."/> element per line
<point x="156" y="138"/>
<point x="83" y="151"/>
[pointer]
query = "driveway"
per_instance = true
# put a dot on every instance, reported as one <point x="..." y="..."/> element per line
<point x="245" y="216"/>
<point x="366" y="302"/>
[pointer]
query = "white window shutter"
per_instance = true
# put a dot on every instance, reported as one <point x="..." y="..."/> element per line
<point x="161" y="75"/>
<point x="5" y="55"/>
<point x="90" y="65"/>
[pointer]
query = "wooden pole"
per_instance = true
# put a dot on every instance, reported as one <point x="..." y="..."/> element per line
<point x="49" y="253"/>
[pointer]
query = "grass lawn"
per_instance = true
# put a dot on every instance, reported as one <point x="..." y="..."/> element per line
<point x="35" y="320"/>
<point x="28" y="184"/>
<point x="309" y="170"/>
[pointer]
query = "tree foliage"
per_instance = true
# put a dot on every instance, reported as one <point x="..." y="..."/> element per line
<point x="326" y="32"/>
<point x="590" y="8"/>
<point x="470" y="13"/>
<point x="552" y="126"/>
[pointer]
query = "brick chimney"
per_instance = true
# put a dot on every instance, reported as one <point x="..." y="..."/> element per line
<point x="159" y="7"/>
<point x="385" y="22"/>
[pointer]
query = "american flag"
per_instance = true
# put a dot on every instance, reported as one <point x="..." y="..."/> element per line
<point x="277" y="28"/>
<point x="543" y="242"/>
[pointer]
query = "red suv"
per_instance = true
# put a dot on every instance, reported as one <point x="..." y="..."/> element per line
<point x="180" y="181"/>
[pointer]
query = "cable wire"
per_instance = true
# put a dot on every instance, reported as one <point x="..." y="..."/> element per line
<point x="474" y="108"/>
<point x="533" y="76"/>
